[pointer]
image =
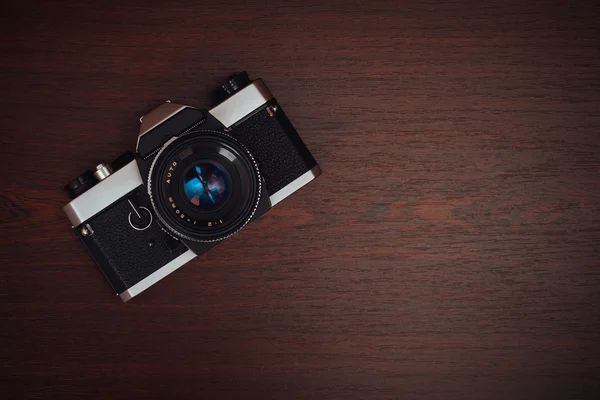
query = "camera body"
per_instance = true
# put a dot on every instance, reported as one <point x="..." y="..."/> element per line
<point x="197" y="177"/>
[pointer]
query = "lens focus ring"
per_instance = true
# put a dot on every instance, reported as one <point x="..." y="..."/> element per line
<point x="204" y="186"/>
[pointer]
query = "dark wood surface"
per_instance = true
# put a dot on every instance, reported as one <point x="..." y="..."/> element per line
<point x="449" y="250"/>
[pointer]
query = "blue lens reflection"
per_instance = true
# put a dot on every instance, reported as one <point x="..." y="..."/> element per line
<point x="205" y="186"/>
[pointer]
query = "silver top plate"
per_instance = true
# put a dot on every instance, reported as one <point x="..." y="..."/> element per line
<point x="105" y="193"/>
<point x="296" y="184"/>
<point x="157" y="275"/>
<point x="242" y="103"/>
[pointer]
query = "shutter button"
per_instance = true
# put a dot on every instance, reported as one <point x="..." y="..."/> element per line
<point x="102" y="171"/>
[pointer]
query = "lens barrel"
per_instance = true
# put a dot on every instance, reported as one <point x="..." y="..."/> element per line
<point x="204" y="186"/>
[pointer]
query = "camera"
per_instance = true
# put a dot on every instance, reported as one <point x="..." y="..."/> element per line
<point x="196" y="178"/>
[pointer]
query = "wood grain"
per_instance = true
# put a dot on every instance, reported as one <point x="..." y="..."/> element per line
<point x="450" y="249"/>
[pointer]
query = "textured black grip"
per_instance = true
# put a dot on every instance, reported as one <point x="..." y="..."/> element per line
<point x="125" y="255"/>
<point x="281" y="154"/>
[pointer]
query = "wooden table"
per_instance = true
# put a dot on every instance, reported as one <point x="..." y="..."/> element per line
<point x="449" y="250"/>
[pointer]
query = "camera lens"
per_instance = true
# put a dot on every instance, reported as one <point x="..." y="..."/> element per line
<point x="204" y="186"/>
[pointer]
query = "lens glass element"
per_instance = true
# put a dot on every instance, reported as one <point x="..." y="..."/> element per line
<point x="206" y="186"/>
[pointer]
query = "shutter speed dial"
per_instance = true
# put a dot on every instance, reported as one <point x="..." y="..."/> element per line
<point x="140" y="218"/>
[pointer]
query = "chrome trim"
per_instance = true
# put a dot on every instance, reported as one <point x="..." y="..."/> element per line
<point x="157" y="275"/>
<point x="105" y="193"/>
<point x="299" y="182"/>
<point x="102" y="172"/>
<point x="242" y="103"/>
<point x="134" y="209"/>
<point x="157" y="116"/>
<point x="87" y="230"/>
<point x="138" y="214"/>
